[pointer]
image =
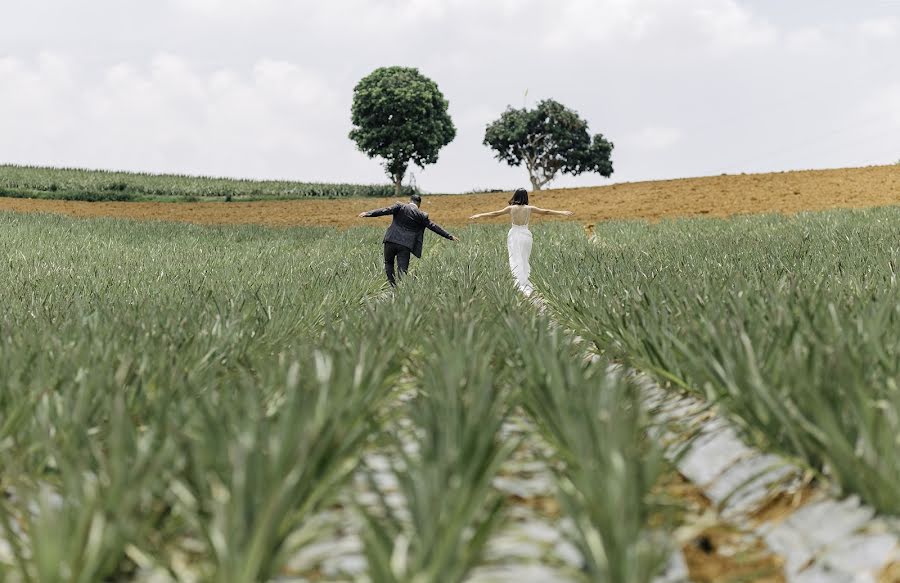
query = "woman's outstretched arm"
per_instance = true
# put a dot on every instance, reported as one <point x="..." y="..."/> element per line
<point x="541" y="211"/>
<point x="503" y="211"/>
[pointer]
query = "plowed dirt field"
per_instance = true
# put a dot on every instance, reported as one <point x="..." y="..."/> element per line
<point x="718" y="196"/>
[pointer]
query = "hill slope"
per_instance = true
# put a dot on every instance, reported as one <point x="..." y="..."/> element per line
<point x="785" y="192"/>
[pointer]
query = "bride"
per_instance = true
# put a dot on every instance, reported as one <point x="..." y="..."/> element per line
<point x="519" y="239"/>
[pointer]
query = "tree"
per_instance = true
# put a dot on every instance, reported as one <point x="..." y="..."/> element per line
<point x="400" y="116"/>
<point x="548" y="139"/>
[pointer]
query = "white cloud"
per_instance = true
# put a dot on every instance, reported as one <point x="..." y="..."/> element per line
<point x="165" y="116"/>
<point x="720" y="25"/>
<point x="732" y="26"/>
<point x="880" y="28"/>
<point x="598" y="21"/>
<point x="368" y="18"/>
<point x="808" y="40"/>
<point x="885" y="103"/>
<point x="224" y="9"/>
<point x="654" y="138"/>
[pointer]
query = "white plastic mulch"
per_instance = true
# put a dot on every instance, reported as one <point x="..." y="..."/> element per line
<point x="825" y="540"/>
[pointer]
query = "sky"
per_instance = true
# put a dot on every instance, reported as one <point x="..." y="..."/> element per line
<point x="263" y="88"/>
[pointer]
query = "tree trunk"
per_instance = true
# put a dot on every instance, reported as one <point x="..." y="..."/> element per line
<point x="398" y="184"/>
<point x="535" y="183"/>
<point x="539" y="180"/>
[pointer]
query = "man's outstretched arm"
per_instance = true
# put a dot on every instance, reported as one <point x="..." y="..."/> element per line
<point x="440" y="231"/>
<point x="380" y="212"/>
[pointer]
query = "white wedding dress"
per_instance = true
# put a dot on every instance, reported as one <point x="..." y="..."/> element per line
<point x="519" y="241"/>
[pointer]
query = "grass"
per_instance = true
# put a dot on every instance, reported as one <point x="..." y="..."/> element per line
<point x="592" y="415"/>
<point x="444" y="469"/>
<point x="185" y="403"/>
<point x="790" y="325"/>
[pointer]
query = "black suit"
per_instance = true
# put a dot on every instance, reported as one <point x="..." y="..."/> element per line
<point x="405" y="235"/>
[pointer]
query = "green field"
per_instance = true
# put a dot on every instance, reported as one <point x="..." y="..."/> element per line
<point x="179" y="395"/>
<point x="791" y="325"/>
<point x="191" y="402"/>
<point x="102" y="185"/>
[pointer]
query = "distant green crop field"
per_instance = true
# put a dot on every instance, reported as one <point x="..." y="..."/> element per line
<point x="101" y="185"/>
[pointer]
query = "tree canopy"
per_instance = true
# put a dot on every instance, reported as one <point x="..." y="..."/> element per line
<point x="549" y="139"/>
<point x="400" y="116"/>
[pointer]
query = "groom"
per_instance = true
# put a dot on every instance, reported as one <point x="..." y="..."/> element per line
<point x="405" y="235"/>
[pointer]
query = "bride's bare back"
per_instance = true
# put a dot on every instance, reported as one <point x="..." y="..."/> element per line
<point x="520" y="214"/>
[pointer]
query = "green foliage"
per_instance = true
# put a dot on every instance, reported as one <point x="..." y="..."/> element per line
<point x="446" y="483"/>
<point x="791" y="325"/>
<point x="102" y="185"/>
<point x="400" y="116"/>
<point x="156" y="391"/>
<point x="549" y="139"/>
<point x="250" y="501"/>
<point x="592" y="415"/>
<point x="185" y="403"/>
<point x="104" y="499"/>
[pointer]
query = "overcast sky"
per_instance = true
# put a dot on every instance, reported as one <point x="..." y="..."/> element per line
<point x="262" y="88"/>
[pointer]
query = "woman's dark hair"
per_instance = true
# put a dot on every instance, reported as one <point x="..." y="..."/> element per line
<point x="519" y="197"/>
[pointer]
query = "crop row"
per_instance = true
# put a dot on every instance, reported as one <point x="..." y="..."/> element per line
<point x="183" y="403"/>
<point x="101" y="185"/>
<point x="790" y="324"/>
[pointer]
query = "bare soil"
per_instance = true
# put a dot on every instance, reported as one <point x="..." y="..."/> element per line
<point x="717" y="196"/>
<point x="718" y="552"/>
